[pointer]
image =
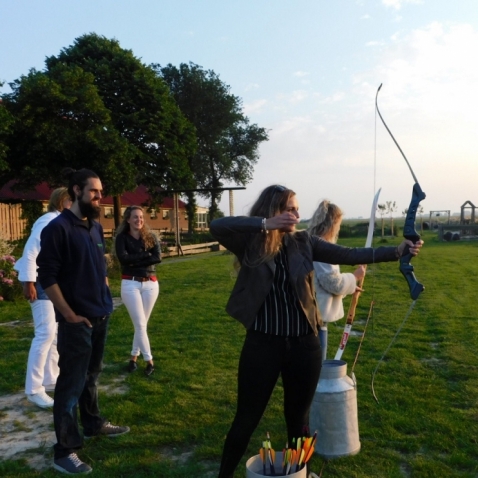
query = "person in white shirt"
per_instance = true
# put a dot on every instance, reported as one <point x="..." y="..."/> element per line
<point x="42" y="366"/>
<point x="331" y="286"/>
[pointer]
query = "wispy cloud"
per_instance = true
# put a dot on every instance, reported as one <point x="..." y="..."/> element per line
<point x="254" y="107"/>
<point x="301" y="74"/>
<point x="397" y="4"/>
<point x="251" y="86"/>
<point x="336" y="97"/>
<point x="297" y="96"/>
<point x="432" y="68"/>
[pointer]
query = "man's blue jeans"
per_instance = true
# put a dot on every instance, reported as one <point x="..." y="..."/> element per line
<point x="81" y="351"/>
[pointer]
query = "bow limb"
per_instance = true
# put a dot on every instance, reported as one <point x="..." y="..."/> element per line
<point x="409" y="231"/>
<point x="356" y="294"/>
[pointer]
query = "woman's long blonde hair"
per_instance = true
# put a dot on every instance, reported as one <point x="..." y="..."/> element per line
<point x="272" y="201"/>
<point x="146" y="235"/>
<point x="56" y="199"/>
<point x="325" y="221"/>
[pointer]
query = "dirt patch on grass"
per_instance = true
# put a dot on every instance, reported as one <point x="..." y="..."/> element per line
<point x="26" y="431"/>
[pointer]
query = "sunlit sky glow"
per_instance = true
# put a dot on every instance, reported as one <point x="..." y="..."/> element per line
<point x="308" y="71"/>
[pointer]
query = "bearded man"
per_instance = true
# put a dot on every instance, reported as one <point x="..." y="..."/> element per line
<point x="72" y="271"/>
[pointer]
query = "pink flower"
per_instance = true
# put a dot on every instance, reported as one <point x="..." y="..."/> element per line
<point x="1" y="298"/>
<point x="10" y="259"/>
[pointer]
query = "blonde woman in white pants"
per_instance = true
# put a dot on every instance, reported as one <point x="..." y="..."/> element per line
<point x="42" y="366"/>
<point x="138" y="251"/>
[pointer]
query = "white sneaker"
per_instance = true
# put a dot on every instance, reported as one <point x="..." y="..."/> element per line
<point x="41" y="399"/>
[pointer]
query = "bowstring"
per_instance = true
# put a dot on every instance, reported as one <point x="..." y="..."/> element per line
<point x="370" y="315"/>
<point x="410" y="309"/>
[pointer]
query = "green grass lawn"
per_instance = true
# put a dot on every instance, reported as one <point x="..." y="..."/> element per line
<point x="426" y="421"/>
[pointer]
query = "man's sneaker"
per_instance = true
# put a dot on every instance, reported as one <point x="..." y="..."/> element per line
<point x="71" y="465"/>
<point x="109" y="430"/>
<point x="41" y="399"/>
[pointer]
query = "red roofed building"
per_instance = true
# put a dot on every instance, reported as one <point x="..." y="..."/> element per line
<point x="159" y="218"/>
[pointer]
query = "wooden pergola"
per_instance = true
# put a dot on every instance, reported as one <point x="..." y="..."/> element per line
<point x="467" y="205"/>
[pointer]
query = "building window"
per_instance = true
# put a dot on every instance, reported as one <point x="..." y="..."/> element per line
<point x="154" y="214"/>
<point x="108" y="212"/>
<point x="201" y="220"/>
<point x="165" y="213"/>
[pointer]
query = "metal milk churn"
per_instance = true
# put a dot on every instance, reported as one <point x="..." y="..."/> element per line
<point x="334" y="412"/>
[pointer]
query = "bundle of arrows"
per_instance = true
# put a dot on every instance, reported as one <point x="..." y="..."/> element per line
<point x="293" y="459"/>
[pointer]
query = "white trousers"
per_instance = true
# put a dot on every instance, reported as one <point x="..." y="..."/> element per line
<point x="139" y="299"/>
<point x="42" y="366"/>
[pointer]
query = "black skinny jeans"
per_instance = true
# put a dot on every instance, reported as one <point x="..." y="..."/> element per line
<point x="263" y="358"/>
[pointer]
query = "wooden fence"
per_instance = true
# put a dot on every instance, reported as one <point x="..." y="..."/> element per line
<point x="11" y="226"/>
<point x="192" y="249"/>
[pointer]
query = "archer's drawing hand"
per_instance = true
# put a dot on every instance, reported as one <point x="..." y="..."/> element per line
<point x="285" y="220"/>
<point x="414" y="247"/>
<point x="359" y="273"/>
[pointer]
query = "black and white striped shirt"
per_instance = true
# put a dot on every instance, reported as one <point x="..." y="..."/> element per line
<point x="281" y="313"/>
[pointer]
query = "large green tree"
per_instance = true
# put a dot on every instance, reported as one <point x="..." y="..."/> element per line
<point x="227" y="144"/>
<point x="98" y="106"/>
<point x="6" y="121"/>
<point x="60" y="120"/>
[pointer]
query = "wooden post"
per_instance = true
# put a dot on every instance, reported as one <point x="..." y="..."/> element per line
<point x="176" y="224"/>
<point x="231" y="202"/>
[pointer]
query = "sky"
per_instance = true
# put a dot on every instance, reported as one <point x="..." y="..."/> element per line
<point x="307" y="71"/>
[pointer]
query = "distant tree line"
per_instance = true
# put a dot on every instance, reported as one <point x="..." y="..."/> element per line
<point x="96" y="105"/>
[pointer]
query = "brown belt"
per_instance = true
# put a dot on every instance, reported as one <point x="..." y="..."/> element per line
<point x="140" y="279"/>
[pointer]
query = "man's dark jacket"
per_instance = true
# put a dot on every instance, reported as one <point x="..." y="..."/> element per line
<point x="72" y="256"/>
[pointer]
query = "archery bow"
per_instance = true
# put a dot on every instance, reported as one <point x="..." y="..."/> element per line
<point x="410" y="233"/>
<point x="356" y="294"/>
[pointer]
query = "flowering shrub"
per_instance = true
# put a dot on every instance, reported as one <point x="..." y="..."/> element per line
<point x="6" y="247"/>
<point x="9" y="285"/>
